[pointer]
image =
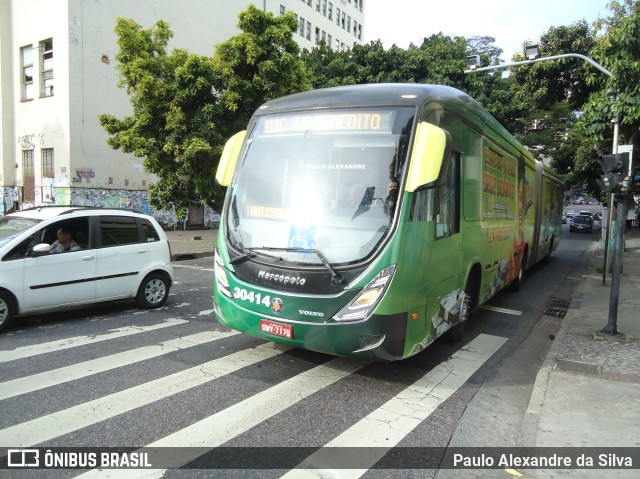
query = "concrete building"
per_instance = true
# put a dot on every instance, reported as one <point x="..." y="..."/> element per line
<point x="58" y="74"/>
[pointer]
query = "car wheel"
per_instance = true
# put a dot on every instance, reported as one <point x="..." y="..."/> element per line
<point x="153" y="291"/>
<point x="7" y="310"/>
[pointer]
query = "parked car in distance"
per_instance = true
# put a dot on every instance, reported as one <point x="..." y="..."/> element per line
<point x="581" y="223"/>
<point x="56" y="257"/>
<point x="564" y="217"/>
<point x="571" y="213"/>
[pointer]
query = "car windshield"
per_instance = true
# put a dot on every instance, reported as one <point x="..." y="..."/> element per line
<point x="319" y="180"/>
<point x="11" y="226"/>
<point x="580" y="219"/>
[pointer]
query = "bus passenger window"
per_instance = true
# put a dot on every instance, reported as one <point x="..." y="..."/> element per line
<point x="447" y="201"/>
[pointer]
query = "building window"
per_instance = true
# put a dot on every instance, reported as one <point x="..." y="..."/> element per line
<point x="26" y="57"/>
<point x="329" y="40"/>
<point x="330" y="11"/>
<point x="317" y="5"/>
<point x="46" y="67"/>
<point x="47" y="163"/>
<point x="301" y="29"/>
<point x="308" y="30"/>
<point x="282" y="9"/>
<point x="317" y="36"/>
<point x="348" y="23"/>
<point x="344" y="17"/>
<point x="324" y="7"/>
<point x="27" y="163"/>
<point x="338" y="16"/>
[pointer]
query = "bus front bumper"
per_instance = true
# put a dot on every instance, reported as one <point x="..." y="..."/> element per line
<point x="379" y="338"/>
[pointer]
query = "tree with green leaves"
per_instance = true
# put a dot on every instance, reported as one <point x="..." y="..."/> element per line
<point x="618" y="49"/>
<point x="186" y="105"/>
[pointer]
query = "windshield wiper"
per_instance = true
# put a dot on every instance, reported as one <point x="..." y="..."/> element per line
<point x="336" y="278"/>
<point x="243" y="257"/>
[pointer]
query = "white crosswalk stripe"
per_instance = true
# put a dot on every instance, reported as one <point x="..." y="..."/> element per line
<point x="46" y="379"/>
<point x="389" y="424"/>
<point x="63" y="422"/>
<point x="382" y="429"/>
<point x="227" y="424"/>
<point x="54" y="346"/>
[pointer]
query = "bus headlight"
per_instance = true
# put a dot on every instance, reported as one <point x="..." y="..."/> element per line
<point x="221" y="277"/>
<point x="363" y="304"/>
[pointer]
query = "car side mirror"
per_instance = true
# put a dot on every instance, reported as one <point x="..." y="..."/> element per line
<point x="42" y="248"/>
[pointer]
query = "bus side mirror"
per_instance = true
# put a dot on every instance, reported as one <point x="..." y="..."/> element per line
<point x="431" y="146"/>
<point x="229" y="158"/>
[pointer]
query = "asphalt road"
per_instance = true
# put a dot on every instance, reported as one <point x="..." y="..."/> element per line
<point x="174" y="379"/>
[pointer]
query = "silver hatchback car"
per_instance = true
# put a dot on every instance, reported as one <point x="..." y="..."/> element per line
<point x="55" y="257"/>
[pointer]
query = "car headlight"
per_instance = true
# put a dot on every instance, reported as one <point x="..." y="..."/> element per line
<point x="221" y="277"/>
<point x="363" y="304"/>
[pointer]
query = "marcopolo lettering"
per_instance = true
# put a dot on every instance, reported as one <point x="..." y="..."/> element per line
<point x="281" y="278"/>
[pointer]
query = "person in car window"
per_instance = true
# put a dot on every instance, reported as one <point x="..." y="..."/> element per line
<point x="64" y="242"/>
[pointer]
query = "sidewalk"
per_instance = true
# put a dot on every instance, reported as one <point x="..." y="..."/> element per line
<point x="191" y="244"/>
<point x="587" y="393"/>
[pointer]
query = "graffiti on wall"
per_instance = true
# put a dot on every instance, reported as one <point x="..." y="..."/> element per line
<point x="135" y="200"/>
<point x="83" y="175"/>
<point x="28" y="142"/>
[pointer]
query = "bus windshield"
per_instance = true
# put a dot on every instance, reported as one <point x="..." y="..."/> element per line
<point x="323" y="180"/>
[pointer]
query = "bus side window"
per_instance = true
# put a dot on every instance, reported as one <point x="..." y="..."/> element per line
<point x="447" y="201"/>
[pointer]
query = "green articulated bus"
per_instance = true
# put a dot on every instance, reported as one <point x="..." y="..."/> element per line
<point x="368" y="220"/>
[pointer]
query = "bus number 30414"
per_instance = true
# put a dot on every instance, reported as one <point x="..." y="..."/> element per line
<point x="244" y="295"/>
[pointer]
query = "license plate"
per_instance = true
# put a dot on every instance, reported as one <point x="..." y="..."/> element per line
<point x="277" y="329"/>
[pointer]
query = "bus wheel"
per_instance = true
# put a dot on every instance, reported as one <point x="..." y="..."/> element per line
<point x="455" y="332"/>
<point x="516" y="284"/>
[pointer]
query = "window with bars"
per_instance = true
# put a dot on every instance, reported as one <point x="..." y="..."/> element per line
<point x="26" y="81"/>
<point x="47" y="163"/>
<point x="46" y="67"/>
<point x="27" y="163"/>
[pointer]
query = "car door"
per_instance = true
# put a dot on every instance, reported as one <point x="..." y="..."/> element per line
<point x="52" y="280"/>
<point x="121" y="257"/>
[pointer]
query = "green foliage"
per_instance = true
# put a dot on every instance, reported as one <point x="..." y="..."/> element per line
<point x="618" y="49"/>
<point x="440" y="59"/>
<point x="186" y="105"/>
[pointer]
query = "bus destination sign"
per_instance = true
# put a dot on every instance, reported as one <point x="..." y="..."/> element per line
<point x="325" y="122"/>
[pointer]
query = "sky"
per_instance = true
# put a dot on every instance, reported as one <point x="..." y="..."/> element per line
<point x="511" y="22"/>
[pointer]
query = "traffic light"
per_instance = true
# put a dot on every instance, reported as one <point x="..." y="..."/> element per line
<point x="616" y="168"/>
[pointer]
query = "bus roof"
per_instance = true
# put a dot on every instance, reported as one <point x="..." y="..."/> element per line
<point x="427" y="97"/>
<point x="421" y="95"/>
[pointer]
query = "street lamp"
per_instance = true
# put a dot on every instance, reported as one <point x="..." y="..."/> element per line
<point x="531" y="51"/>
<point x="473" y="61"/>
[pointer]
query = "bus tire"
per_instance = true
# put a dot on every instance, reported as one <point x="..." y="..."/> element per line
<point x="456" y="332"/>
<point x="516" y="284"/>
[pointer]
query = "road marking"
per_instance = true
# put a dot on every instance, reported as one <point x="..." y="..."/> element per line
<point x="206" y="312"/>
<point x="229" y="423"/>
<point x="390" y="423"/>
<point x="45" y="428"/>
<point x="513" y="312"/>
<point x="47" y="379"/>
<point x="189" y="266"/>
<point x="55" y="346"/>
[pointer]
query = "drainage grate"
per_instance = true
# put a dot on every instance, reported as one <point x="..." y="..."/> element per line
<point x="557" y="308"/>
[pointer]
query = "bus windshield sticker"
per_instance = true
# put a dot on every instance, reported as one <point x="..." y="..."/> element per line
<point x="302" y="236"/>
<point x="361" y="121"/>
